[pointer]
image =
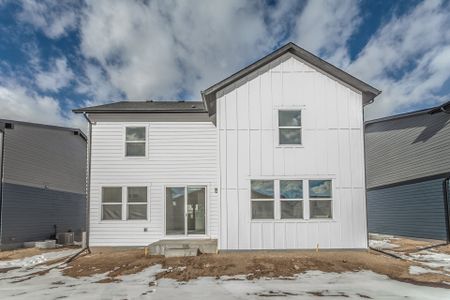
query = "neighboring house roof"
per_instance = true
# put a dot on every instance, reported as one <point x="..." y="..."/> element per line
<point x="76" y="131"/>
<point x="408" y="146"/>
<point x="149" y="106"/>
<point x="369" y="92"/>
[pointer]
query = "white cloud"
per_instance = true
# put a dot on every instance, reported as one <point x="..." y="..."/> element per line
<point x="17" y="103"/>
<point x="163" y="48"/>
<point x="58" y="76"/>
<point x="325" y="26"/>
<point x="408" y="58"/>
<point x="54" y="18"/>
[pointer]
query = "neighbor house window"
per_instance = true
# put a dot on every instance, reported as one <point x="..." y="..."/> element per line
<point x="290" y="127"/>
<point x="135" y="140"/>
<point x="262" y="198"/>
<point x="111" y="203"/>
<point x="137" y="203"/>
<point x="291" y="199"/>
<point x="320" y="199"/>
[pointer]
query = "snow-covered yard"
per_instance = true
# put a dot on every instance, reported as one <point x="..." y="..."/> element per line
<point x="24" y="283"/>
<point x="310" y="285"/>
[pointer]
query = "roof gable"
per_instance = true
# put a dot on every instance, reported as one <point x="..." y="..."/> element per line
<point x="209" y="95"/>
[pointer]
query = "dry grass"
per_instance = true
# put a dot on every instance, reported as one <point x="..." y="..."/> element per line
<point x="116" y="262"/>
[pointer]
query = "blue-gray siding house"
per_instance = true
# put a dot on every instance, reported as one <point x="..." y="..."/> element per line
<point x="408" y="169"/>
<point x="43" y="176"/>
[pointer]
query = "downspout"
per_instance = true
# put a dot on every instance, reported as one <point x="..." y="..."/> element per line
<point x="446" y="188"/>
<point x="88" y="182"/>
<point x="2" y="152"/>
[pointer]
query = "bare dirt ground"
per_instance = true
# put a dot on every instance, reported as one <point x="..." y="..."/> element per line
<point x="27" y="252"/>
<point x="283" y="264"/>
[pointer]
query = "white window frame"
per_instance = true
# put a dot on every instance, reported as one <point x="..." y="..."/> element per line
<point x="322" y="199"/>
<point x="111" y="203"/>
<point x="273" y="200"/>
<point x="127" y="203"/>
<point x="186" y="186"/>
<point x="124" y="203"/>
<point x="306" y="201"/>
<point x="301" y="110"/>
<point x="125" y="142"/>
<point x="293" y="199"/>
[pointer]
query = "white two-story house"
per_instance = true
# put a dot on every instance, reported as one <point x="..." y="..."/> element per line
<point x="271" y="158"/>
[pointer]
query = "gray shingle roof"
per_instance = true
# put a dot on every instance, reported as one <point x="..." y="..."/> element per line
<point x="146" y="107"/>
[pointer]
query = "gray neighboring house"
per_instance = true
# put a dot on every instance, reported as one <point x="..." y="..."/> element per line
<point x="408" y="169"/>
<point x="43" y="178"/>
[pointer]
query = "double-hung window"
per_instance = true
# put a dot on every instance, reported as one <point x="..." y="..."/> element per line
<point x="112" y="203"/>
<point x="290" y="127"/>
<point x="262" y="198"/>
<point x="320" y="199"/>
<point x="291" y="199"/>
<point x="135" y="141"/>
<point x="137" y="203"/>
<point x="134" y="208"/>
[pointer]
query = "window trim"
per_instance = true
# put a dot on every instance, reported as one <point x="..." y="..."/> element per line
<point x="273" y="200"/>
<point x="124" y="203"/>
<point x="322" y="199"/>
<point x="278" y="144"/>
<point x="292" y="199"/>
<point x="125" y="142"/>
<point x="306" y="201"/>
<point x="127" y="203"/>
<point x="111" y="203"/>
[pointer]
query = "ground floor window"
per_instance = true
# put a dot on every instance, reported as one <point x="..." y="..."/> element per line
<point x="124" y="203"/>
<point x="291" y="199"/>
<point x="262" y="195"/>
<point x="112" y="203"/>
<point x="137" y="203"/>
<point x="320" y="194"/>
<point x="285" y="199"/>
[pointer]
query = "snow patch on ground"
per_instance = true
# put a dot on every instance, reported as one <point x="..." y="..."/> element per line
<point x="37" y="259"/>
<point x="416" y="270"/>
<point x="432" y="259"/>
<point x="381" y="241"/>
<point x="309" y="285"/>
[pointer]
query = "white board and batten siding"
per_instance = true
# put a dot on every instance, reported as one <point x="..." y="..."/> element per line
<point x="332" y="138"/>
<point x="178" y="153"/>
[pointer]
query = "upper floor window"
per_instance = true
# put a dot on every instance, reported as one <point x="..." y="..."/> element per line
<point x="135" y="139"/>
<point x="290" y="127"/>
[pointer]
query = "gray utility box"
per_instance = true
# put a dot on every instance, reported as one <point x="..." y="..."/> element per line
<point x="65" y="238"/>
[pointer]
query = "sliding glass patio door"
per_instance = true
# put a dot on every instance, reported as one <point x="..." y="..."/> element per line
<point x="186" y="210"/>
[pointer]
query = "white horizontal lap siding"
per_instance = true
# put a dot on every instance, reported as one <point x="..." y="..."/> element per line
<point x="332" y="148"/>
<point x="178" y="153"/>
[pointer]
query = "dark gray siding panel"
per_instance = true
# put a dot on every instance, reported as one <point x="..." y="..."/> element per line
<point x="407" y="148"/>
<point x="415" y="210"/>
<point x="29" y="213"/>
<point x="45" y="157"/>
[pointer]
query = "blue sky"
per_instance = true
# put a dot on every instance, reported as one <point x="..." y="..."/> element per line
<point x="59" y="55"/>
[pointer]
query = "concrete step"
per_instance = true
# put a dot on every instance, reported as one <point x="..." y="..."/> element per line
<point x="180" y="252"/>
<point x="202" y="246"/>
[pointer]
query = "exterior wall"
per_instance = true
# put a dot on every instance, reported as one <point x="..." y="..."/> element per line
<point x="407" y="148"/>
<point x="332" y="149"/>
<point x="31" y="213"/>
<point x="410" y="209"/>
<point x="44" y="182"/>
<point x="178" y="153"/>
<point x="45" y="157"/>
